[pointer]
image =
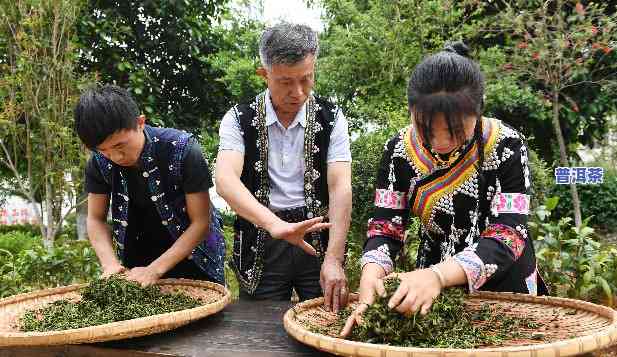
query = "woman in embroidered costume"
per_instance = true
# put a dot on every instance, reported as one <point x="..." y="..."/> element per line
<point x="466" y="177"/>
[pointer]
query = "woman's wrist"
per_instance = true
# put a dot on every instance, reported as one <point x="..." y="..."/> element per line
<point x="440" y="276"/>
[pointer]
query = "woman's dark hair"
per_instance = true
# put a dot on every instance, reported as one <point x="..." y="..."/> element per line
<point x="102" y="111"/>
<point x="450" y="83"/>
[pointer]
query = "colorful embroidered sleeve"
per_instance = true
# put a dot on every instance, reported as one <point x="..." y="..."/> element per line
<point x="386" y="228"/>
<point x="505" y="237"/>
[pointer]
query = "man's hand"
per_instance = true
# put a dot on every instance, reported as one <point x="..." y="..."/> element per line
<point x="294" y="232"/>
<point x="143" y="275"/>
<point x="117" y="268"/>
<point x="333" y="283"/>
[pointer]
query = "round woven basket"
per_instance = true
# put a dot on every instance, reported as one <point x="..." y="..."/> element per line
<point x="214" y="296"/>
<point x="569" y="327"/>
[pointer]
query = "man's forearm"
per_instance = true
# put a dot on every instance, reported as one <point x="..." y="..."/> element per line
<point x="340" y="216"/>
<point x="181" y="249"/>
<point x="240" y="199"/>
<point x="100" y="238"/>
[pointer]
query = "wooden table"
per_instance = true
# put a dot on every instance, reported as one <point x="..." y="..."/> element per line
<point x="243" y="329"/>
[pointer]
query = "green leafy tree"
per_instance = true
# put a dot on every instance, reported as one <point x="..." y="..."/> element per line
<point x="369" y="49"/>
<point x="38" y="86"/>
<point x="562" y="46"/>
<point x="521" y="100"/>
<point x="514" y="101"/>
<point x="160" y="50"/>
<point x="237" y="59"/>
<point x="235" y="63"/>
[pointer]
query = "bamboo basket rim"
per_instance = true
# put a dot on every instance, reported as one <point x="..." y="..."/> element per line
<point x="566" y="347"/>
<point x="115" y="330"/>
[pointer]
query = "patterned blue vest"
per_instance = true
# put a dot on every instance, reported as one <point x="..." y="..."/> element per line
<point x="167" y="147"/>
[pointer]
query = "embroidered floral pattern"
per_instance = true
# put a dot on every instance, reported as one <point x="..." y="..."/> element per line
<point x="390" y="199"/>
<point x="510" y="203"/>
<point x="311" y="174"/>
<point x="383" y="227"/>
<point x="508" y="236"/>
<point x="477" y="272"/>
<point x="249" y="282"/>
<point x="522" y="231"/>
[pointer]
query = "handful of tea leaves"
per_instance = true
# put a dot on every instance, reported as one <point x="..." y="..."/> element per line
<point x="448" y="324"/>
<point x="104" y="301"/>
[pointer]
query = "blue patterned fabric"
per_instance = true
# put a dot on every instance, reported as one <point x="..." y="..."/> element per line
<point x="169" y="199"/>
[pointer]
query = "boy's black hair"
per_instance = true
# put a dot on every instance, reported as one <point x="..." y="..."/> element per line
<point x="102" y="111"/>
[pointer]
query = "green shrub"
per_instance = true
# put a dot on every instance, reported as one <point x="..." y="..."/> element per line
<point x="31" y="229"/>
<point x="228" y="218"/>
<point x="366" y="152"/>
<point x="69" y="228"/>
<point x="67" y="262"/>
<point x="230" y="277"/>
<point x="16" y="241"/>
<point x="570" y="258"/>
<point x="542" y="178"/>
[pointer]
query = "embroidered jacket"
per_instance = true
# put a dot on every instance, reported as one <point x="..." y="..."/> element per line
<point x="484" y="230"/>
<point x="249" y="239"/>
<point x="161" y="161"/>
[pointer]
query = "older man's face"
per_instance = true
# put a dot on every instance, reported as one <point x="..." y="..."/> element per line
<point x="290" y="85"/>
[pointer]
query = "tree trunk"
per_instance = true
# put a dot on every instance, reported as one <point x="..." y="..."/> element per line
<point x="563" y="156"/>
<point x="50" y="230"/>
<point x="82" y="215"/>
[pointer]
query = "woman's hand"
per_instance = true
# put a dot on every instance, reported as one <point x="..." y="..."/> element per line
<point x="371" y="285"/>
<point x="354" y="319"/>
<point x="416" y="291"/>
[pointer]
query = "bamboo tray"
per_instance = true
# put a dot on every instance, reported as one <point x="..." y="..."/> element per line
<point x="569" y="327"/>
<point x="215" y="298"/>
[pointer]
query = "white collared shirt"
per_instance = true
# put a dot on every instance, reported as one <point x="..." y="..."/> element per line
<point x="286" y="152"/>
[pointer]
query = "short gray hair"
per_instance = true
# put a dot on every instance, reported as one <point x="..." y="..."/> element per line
<point x="287" y="43"/>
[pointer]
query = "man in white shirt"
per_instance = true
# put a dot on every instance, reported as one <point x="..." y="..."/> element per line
<point x="284" y="161"/>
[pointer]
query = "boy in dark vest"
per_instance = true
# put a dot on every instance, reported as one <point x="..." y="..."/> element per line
<point x="156" y="181"/>
<point x="284" y="161"/>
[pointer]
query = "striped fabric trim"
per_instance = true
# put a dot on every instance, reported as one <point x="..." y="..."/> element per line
<point x="477" y="272"/>
<point x="429" y="193"/>
<point x="378" y="257"/>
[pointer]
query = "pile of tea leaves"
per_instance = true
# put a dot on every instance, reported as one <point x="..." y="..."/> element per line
<point x="104" y="301"/>
<point x="449" y="324"/>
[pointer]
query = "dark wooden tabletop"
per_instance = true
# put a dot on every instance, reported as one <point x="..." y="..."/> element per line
<point x="244" y="328"/>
